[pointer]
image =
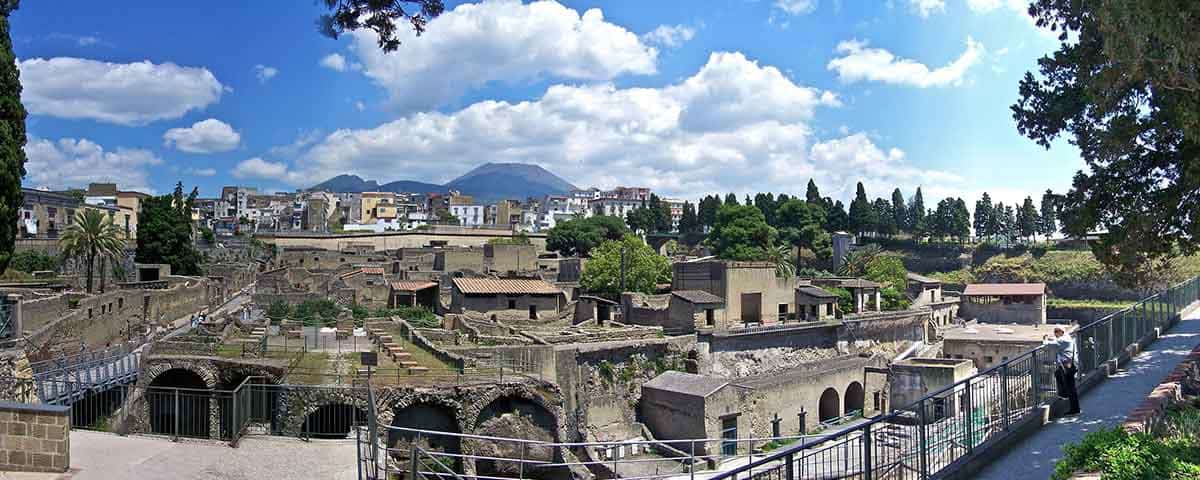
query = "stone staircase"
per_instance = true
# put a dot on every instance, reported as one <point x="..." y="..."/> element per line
<point x="393" y="350"/>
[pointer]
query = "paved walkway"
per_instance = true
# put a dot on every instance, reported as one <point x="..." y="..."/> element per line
<point x="1104" y="406"/>
<point x="101" y="456"/>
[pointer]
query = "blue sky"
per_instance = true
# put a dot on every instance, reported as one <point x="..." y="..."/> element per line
<point x="685" y="97"/>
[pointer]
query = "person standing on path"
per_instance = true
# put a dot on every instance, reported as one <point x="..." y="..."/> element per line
<point x="1065" y="368"/>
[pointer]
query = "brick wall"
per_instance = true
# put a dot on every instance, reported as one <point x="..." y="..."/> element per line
<point x="34" y="438"/>
<point x="1184" y="377"/>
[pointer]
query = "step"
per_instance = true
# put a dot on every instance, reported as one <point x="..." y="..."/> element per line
<point x="417" y="369"/>
<point x="401" y="355"/>
<point x="408" y="363"/>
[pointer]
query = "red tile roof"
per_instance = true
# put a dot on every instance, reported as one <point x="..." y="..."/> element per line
<point x="998" y="289"/>
<point x="512" y="286"/>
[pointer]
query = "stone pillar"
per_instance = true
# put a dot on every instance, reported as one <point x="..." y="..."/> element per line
<point x="878" y="306"/>
<point x="36" y="438"/>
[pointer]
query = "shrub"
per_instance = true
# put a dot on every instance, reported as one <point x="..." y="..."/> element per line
<point x="30" y="261"/>
<point x="419" y="317"/>
<point x="1120" y="455"/>
<point x="845" y="299"/>
<point x="277" y="311"/>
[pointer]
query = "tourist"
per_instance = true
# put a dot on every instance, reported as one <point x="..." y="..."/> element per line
<point x="1065" y="369"/>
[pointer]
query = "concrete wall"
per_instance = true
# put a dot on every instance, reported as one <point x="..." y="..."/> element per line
<point x="685" y="317"/>
<point x="986" y="354"/>
<point x="505" y="258"/>
<point x="914" y="378"/>
<point x="730" y="280"/>
<point x="785" y="394"/>
<point x="547" y="305"/>
<point x="34" y="438"/>
<point x="999" y="312"/>
<point x="455" y="260"/>
<point x="800" y="336"/>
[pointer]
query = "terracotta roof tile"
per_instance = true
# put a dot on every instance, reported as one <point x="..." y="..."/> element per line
<point x="514" y="286"/>
<point x="412" y="285"/>
<point x="996" y="289"/>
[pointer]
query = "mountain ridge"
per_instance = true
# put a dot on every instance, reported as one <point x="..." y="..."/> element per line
<point x="488" y="183"/>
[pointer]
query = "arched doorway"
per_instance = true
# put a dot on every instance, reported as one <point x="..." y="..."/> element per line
<point x="179" y="404"/>
<point x="830" y="407"/>
<point x="334" y="420"/>
<point x="854" y="397"/>
<point x="515" y="417"/>
<point x="432" y="418"/>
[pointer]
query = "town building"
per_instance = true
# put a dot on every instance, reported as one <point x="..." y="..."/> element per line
<point x="378" y="206"/>
<point x="865" y="292"/>
<point x="989" y="345"/>
<point x="45" y="214"/>
<point x="815" y="304"/>
<point x="408" y="293"/>
<point x="1023" y="303"/>
<point x="508" y="298"/>
<point x="752" y="293"/>
<point x="912" y="378"/>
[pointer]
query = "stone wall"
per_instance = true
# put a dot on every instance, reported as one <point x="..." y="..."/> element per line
<point x="1183" y="379"/>
<point x="34" y="438"/>
<point x="902" y="325"/>
<point x="820" y="335"/>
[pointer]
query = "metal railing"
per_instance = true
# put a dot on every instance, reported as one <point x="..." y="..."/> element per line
<point x="944" y="426"/>
<point x="395" y="451"/>
<point x="7" y="321"/>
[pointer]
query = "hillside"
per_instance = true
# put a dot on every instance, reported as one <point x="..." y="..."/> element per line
<point x="488" y="183"/>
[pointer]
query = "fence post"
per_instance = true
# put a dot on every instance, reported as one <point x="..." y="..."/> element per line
<point x="970" y="416"/>
<point x="1004" y="393"/>
<point x="692" y="470"/>
<point x="236" y="421"/>
<point x="923" y="441"/>
<point x="177" y="414"/>
<point x="867" y="461"/>
<point x="413" y="462"/>
<point x="788" y="468"/>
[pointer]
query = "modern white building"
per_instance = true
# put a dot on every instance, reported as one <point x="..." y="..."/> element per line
<point x="468" y="215"/>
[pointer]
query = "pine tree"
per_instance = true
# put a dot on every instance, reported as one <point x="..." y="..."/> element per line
<point x="1028" y="219"/>
<point x="860" y="212"/>
<point x="688" y="222"/>
<point x="812" y="195"/>
<point x="899" y="211"/>
<point x="1048" y="225"/>
<point x="731" y="199"/>
<point x="984" y="213"/>
<point x="883" y="219"/>
<point x="836" y="218"/>
<point x="916" y="216"/>
<point x="962" y="220"/>
<point x="12" y="138"/>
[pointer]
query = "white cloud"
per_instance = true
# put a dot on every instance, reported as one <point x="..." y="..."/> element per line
<point x="360" y="106"/>
<point x="73" y="162"/>
<point x="123" y="93"/>
<point x="925" y="8"/>
<point x="257" y="168"/>
<point x="205" y="136"/>
<point x="669" y="36"/>
<point x="986" y="6"/>
<point x="796" y="7"/>
<point x="264" y="73"/>
<point x="734" y="125"/>
<point x="876" y="64"/>
<point x="334" y="61"/>
<point x="500" y="40"/>
<point x="201" y="172"/>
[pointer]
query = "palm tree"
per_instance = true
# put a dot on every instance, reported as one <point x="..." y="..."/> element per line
<point x="783" y="258"/>
<point x="92" y="234"/>
<point x="855" y="262"/>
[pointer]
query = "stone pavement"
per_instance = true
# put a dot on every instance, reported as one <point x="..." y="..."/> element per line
<point x="1104" y="406"/>
<point x="99" y="456"/>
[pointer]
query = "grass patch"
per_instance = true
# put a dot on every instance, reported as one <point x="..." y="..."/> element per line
<point x="312" y="369"/>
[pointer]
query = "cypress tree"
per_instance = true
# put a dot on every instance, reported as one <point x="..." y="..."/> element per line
<point x="899" y="211"/>
<point x="12" y="138"/>
<point x="916" y="215"/>
<point x="812" y="195"/>
<point x="860" y="212"/>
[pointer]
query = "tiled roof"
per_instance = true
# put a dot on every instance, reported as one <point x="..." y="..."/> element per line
<point x="697" y="296"/>
<point x="411" y="285"/>
<point x="990" y="289"/>
<point x="373" y="270"/>
<point x="816" y="292"/>
<point x="514" y="286"/>
<point x="686" y="383"/>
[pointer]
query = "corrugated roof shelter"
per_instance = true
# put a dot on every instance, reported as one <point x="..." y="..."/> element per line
<point x="699" y="297"/>
<point x="686" y="383"/>
<point x="1004" y="289"/>
<point x="815" y="292"/>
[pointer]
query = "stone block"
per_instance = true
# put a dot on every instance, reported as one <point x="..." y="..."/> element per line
<point x="41" y="460"/>
<point x="17" y="429"/>
<point x="49" y="419"/>
<point x="18" y="457"/>
<point x="56" y="433"/>
<point x="37" y="431"/>
<point x="6" y="416"/>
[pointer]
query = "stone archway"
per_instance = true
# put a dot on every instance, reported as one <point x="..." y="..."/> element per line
<point x="854" y="397"/>
<point x="332" y="420"/>
<point x="179" y="403"/>
<point x="830" y="405"/>
<point x="431" y="417"/>
<point x="514" y="417"/>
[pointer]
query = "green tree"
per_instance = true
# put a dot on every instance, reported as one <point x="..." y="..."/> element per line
<point x="916" y="213"/>
<point x="444" y="217"/>
<point x="731" y="199"/>
<point x="92" y="236"/>
<point x="688" y="222"/>
<point x="765" y="202"/>
<point x="378" y="16"/>
<point x="836" y="219"/>
<point x="1123" y="87"/>
<point x="1048" y="222"/>
<point x="984" y="215"/>
<point x="861" y="213"/>
<point x="12" y="137"/>
<point x="784" y="259"/>
<point x="661" y="214"/>
<point x="885" y="223"/>
<point x="962" y="221"/>
<point x="1027" y="219"/>
<point x="278" y="311"/>
<point x="30" y="261"/>
<point x="641" y="219"/>
<point x="812" y="194"/>
<point x="741" y="233"/>
<point x="165" y="232"/>
<point x="899" y="211"/>
<point x="707" y="210"/>
<point x="887" y="270"/>
<point x="644" y="268"/>
<point x="578" y="236"/>
<point x="855" y="263"/>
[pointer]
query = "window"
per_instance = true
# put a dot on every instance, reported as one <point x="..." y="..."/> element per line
<point x="51" y="212"/>
<point x="512" y="304"/>
<point x="89" y="313"/>
<point x="988" y="359"/>
<point x="783" y="312"/>
<point x="120" y="302"/>
<point x="533" y="312"/>
<point x="729" y="436"/>
<point x="709" y="318"/>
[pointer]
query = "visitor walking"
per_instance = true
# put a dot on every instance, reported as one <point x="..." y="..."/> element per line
<point x="1065" y="368"/>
